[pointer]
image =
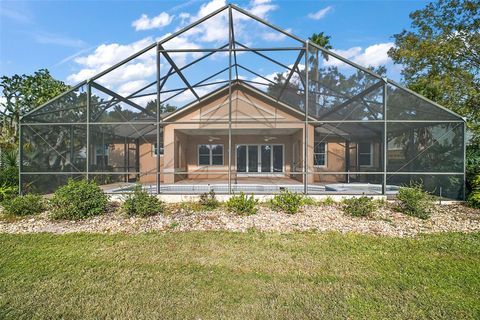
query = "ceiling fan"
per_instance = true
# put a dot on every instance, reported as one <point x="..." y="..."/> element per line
<point x="267" y="138"/>
<point x="210" y="138"/>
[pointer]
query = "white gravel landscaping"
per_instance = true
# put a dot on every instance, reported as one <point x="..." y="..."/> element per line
<point x="385" y="222"/>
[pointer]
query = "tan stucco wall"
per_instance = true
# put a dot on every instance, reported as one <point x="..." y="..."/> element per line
<point x="249" y="111"/>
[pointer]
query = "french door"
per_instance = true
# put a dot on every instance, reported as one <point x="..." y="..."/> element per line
<point x="266" y="158"/>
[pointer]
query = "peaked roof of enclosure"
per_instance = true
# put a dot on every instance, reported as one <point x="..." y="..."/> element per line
<point x="227" y="46"/>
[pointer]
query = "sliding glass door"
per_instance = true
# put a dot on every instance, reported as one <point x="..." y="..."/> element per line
<point x="265" y="158"/>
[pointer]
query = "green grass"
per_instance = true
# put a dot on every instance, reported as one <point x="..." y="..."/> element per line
<point x="205" y="275"/>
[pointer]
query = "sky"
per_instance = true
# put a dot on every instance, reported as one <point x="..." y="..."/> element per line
<point x="77" y="39"/>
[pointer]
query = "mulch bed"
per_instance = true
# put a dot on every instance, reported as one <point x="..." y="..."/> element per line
<point x="386" y="221"/>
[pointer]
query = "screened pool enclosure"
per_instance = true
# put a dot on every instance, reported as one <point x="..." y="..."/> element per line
<point x="233" y="103"/>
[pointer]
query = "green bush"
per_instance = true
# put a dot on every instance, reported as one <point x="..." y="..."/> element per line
<point x="209" y="201"/>
<point x="9" y="176"/>
<point x="140" y="203"/>
<point x="359" y="206"/>
<point x="242" y="204"/>
<point x="24" y="205"/>
<point x="414" y="201"/>
<point x="328" y="201"/>
<point x="309" y="201"/>
<point x="8" y="192"/>
<point x="78" y="200"/>
<point x="288" y="202"/>
<point x="473" y="199"/>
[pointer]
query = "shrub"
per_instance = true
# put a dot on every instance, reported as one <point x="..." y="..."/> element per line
<point x="24" y="205"/>
<point x="140" y="203"/>
<point x="9" y="176"/>
<point x="78" y="200"/>
<point x="208" y="200"/>
<point x="242" y="204"/>
<point x="328" y="201"/>
<point x="287" y="201"/>
<point x="414" y="201"/>
<point x="473" y="199"/>
<point x="309" y="201"/>
<point x="359" y="207"/>
<point x="8" y="192"/>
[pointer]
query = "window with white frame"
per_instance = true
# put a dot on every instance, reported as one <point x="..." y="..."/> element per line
<point x="320" y="154"/>
<point x="365" y="154"/>
<point x="102" y="153"/>
<point x="210" y="154"/>
<point x="156" y="151"/>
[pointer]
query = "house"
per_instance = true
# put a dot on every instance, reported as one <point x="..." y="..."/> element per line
<point x="320" y="125"/>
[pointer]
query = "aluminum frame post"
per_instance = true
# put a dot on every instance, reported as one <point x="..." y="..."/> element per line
<point x="385" y="143"/>
<point x="230" y="102"/>
<point x="89" y="93"/>
<point x="464" y="159"/>
<point x="305" y="151"/>
<point x="20" y="157"/>
<point x="158" y="120"/>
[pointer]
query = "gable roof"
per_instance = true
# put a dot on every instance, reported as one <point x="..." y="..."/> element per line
<point x="241" y="86"/>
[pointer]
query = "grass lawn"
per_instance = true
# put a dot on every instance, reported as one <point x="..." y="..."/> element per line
<point x="204" y="275"/>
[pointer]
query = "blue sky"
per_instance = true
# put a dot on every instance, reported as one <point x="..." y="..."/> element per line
<point x="76" y="39"/>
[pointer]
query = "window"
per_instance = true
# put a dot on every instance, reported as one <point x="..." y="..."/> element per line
<point x="154" y="149"/>
<point x="365" y="154"/>
<point x="210" y="154"/>
<point x="101" y="154"/>
<point x="320" y="154"/>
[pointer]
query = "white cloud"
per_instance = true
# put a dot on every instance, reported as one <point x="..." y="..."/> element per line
<point x="50" y="38"/>
<point x="320" y="14"/>
<point x="214" y="29"/>
<point x="106" y="55"/>
<point x="184" y="17"/>
<point x="274" y="35"/>
<point x="145" y="23"/>
<point x="181" y="42"/>
<point x="373" y="56"/>
<point x="18" y="16"/>
<point x="127" y="88"/>
<point x="261" y="8"/>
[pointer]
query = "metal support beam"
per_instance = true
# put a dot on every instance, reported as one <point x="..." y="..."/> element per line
<point x="354" y="98"/>
<point x="153" y="45"/>
<point x="230" y="46"/>
<point x="230" y="18"/>
<point x="196" y="84"/>
<point x="272" y="60"/>
<point x="305" y="151"/>
<point x="180" y="74"/>
<point x="385" y="142"/>
<point x="20" y="156"/>
<point x="244" y="49"/>
<point x="248" y="14"/>
<point x="89" y="97"/>
<point x="285" y="85"/>
<point x="122" y="99"/>
<point x="158" y="119"/>
<point x="257" y="74"/>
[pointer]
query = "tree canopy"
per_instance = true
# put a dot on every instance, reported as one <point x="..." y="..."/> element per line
<point x="23" y="93"/>
<point x="441" y="58"/>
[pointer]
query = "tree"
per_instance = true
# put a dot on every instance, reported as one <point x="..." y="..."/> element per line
<point x="441" y="57"/>
<point x="314" y="60"/>
<point x="22" y="94"/>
